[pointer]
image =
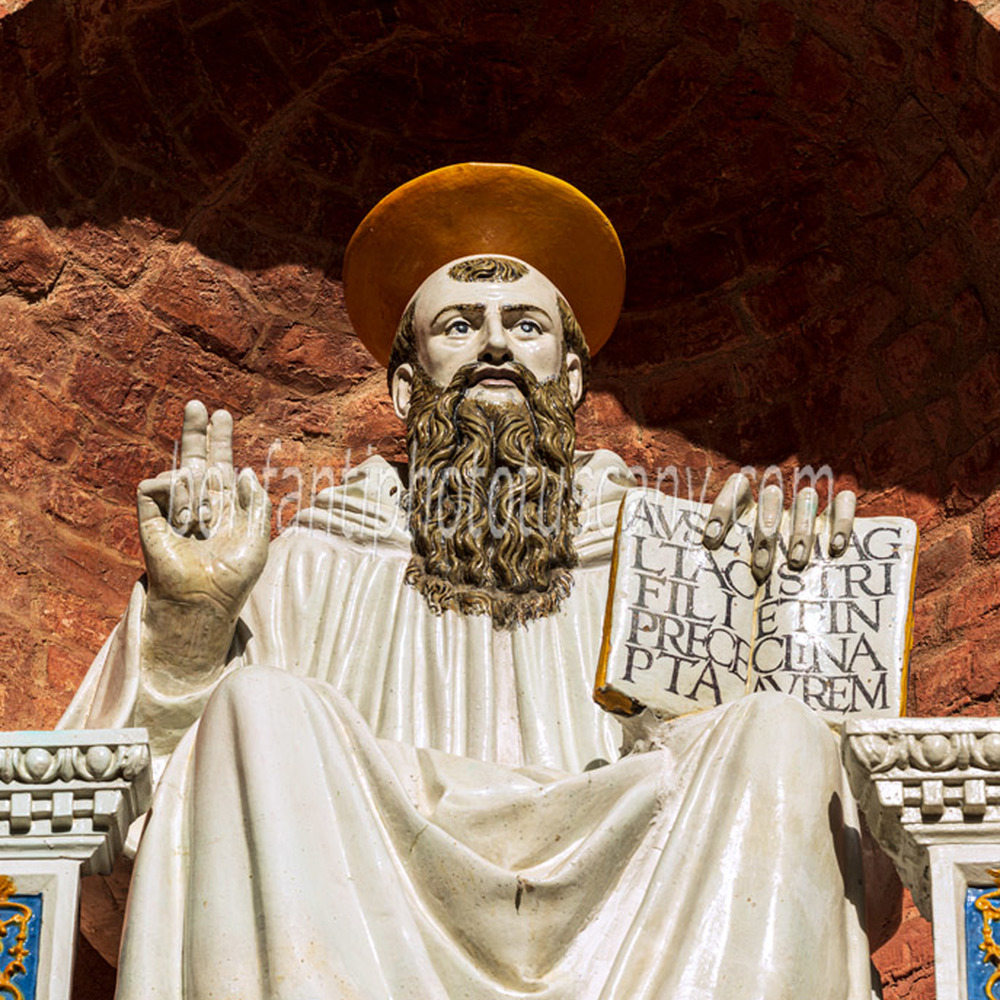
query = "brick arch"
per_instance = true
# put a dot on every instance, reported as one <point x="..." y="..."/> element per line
<point x="805" y="191"/>
<point x="795" y="191"/>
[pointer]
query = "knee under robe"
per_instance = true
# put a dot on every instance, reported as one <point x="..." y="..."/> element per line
<point x="378" y="802"/>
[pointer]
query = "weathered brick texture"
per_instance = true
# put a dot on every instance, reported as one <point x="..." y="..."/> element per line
<point x="806" y="190"/>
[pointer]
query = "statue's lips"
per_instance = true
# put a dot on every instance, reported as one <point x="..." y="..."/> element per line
<point x="497" y="378"/>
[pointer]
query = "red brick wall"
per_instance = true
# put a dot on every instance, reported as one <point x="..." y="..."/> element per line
<point x="804" y="188"/>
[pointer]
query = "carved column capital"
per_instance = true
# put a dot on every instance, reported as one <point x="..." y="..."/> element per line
<point x="72" y="793"/>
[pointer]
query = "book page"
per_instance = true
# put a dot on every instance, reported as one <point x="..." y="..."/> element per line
<point x="836" y="635"/>
<point x="680" y="617"/>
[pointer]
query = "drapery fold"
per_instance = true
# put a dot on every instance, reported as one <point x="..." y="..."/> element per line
<point x="380" y="802"/>
<point x="293" y="854"/>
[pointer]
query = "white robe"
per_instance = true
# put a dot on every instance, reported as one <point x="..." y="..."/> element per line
<point x="380" y="802"/>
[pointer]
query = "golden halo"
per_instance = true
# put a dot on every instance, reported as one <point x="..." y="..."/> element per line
<point x="482" y="208"/>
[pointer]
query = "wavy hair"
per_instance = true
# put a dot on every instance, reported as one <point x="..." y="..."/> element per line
<point x="492" y="506"/>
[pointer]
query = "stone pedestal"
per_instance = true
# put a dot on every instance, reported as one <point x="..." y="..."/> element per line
<point x="930" y="790"/>
<point x="66" y="802"/>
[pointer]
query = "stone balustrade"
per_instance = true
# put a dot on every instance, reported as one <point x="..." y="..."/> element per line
<point x="67" y="800"/>
<point x="930" y="791"/>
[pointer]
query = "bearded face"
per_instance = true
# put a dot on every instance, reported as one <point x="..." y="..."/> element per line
<point x="487" y="368"/>
<point x="492" y="506"/>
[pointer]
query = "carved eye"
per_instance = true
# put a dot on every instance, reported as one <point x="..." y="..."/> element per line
<point x="529" y="327"/>
<point x="458" y="326"/>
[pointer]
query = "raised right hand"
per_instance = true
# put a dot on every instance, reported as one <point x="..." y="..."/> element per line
<point x="204" y="533"/>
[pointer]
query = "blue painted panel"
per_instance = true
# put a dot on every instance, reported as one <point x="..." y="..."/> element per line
<point x="978" y="972"/>
<point x="27" y="981"/>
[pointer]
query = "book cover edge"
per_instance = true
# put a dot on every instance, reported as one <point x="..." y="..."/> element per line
<point x="608" y="698"/>
<point x="904" y="679"/>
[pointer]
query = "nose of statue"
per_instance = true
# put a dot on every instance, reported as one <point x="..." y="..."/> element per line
<point x="496" y="350"/>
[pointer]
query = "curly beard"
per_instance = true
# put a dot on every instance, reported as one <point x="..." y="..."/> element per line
<point x="492" y="507"/>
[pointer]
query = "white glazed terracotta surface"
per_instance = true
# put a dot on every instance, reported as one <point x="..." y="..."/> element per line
<point x="416" y="823"/>
<point x="363" y="799"/>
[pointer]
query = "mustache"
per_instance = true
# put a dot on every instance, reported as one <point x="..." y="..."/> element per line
<point x="471" y="374"/>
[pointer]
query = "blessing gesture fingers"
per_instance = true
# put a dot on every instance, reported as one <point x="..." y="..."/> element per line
<point x="204" y="529"/>
<point x="736" y="495"/>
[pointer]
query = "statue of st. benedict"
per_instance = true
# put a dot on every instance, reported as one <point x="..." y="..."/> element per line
<point x="377" y="744"/>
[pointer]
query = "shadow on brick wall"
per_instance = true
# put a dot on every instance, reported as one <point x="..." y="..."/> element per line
<point x="803" y="194"/>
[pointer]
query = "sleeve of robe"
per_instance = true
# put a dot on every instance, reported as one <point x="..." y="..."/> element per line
<point x="117" y="691"/>
<point x="291" y="621"/>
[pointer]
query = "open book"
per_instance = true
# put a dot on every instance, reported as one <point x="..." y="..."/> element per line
<point x="687" y="628"/>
